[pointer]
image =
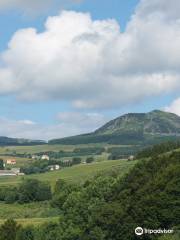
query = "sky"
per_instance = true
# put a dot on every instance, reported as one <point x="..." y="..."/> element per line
<point x="69" y="66"/>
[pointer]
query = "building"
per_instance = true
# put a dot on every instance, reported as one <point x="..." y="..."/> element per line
<point x="45" y="157"/>
<point x="4" y="173"/>
<point x="131" y="158"/>
<point x="12" y="172"/>
<point x="11" y="161"/>
<point x="54" y="167"/>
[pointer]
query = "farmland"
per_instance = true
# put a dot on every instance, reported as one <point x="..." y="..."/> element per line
<point x="76" y="174"/>
<point x="37" y="213"/>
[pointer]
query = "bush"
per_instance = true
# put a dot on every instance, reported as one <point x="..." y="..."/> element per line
<point x="9" y="230"/>
<point x="33" y="190"/>
<point x="76" y="160"/>
<point x="26" y="233"/>
<point x="89" y="160"/>
<point x="29" y="190"/>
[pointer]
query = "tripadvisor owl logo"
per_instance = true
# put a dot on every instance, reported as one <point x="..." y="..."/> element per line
<point x="139" y="231"/>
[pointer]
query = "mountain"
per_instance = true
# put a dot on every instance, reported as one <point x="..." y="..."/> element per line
<point x="132" y="128"/>
<point x="155" y="122"/>
<point x="5" y="141"/>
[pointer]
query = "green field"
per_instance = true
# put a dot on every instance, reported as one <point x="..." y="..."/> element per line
<point x="34" y="221"/>
<point x="37" y="213"/>
<point x="78" y="173"/>
<point x="55" y="147"/>
<point x="29" y="210"/>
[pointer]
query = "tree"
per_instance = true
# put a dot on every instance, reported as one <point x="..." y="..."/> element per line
<point x="25" y="233"/>
<point x="61" y="192"/>
<point x="33" y="190"/>
<point x="1" y="164"/>
<point x="76" y="160"/>
<point x="9" y="230"/>
<point x="89" y="160"/>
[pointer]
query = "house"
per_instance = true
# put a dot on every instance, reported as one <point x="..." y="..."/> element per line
<point x="11" y="161"/>
<point x="45" y="157"/>
<point x="131" y="158"/>
<point x="4" y="173"/>
<point x="34" y="157"/>
<point x="12" y="172"/>
<point x="54" y="167"/>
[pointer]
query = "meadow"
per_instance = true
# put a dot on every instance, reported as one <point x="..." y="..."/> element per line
<point x="34" y="221"/>
<point x="38" y="213"/>
<point x="76" y="174"/>
<point x="49" y="147"/>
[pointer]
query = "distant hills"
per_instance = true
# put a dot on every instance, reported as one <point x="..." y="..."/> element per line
<point x="132" y="128"/>
<point x="5" y="141"/>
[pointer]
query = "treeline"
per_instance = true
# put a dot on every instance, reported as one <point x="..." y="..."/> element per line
<point x="30" y="190"/>
<point x="42" y="166"/>
<point x="122" y="152"/>
<point x="5" y="141"/>
<point x="77" y="152"/>
<point x="131" y="137"/>
<point x="159" y="149"/>
<point x="110" y="208"/>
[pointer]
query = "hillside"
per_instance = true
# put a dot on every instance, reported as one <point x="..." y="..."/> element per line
<point x="110" y="206"/>
<point x="77" y="174"/>
<point x="5" y="141"/>
<point x="132" y="128"/>
<point x="155" y="122"/>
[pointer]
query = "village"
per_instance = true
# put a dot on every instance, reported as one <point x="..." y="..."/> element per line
<point x="8" y="167"/>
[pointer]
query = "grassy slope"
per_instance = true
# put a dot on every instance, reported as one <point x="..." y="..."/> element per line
<point x="76" y="174"/>
<point x="55" y="147"/>
<point x="36" y="213"/>
<point x="30" y="210"/>
<point x="34" y="221"/>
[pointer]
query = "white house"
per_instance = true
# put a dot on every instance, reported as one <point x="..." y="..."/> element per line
<point x="131" y="158"/>
<point x="4" y="173"/>
<point x="45" y="157"/>
<point x="54" y="167"/>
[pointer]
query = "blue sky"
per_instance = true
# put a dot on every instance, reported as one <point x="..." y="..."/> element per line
<point x="131" y="78"/>
<point x="11" y="21"/>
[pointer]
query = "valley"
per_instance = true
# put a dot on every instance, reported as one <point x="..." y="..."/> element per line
<point x="58" y="182"/>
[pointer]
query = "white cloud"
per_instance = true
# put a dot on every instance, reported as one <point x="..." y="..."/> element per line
<point x="174" y="107"/>
<point x="159" y="7"/>
<point x="87" y="122"/>
<point x="92" y="64"/>
<point x="68" y="124"/>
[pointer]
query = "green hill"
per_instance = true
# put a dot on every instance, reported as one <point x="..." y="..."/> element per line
<point x="132" y="128"/>
<point x="76" y="174"/>
<point x="112" y="206"/>
<point x="5" y="141"/>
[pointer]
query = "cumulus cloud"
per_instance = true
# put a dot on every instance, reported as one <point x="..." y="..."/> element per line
<point x="174" y="107"/>
<point x="68" y="124"/>
<point x="91" y="63"/>
<point x="159" y="7"/>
